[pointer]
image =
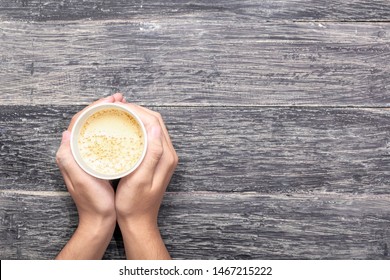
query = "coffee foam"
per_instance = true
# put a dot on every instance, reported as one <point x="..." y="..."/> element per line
<point x="111" y="141"/>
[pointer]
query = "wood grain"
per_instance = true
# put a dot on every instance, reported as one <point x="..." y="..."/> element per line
<point x="270" y="150"/>
<point x="196" y="61"/>
<point x="279" y="111"/>
<point x="201" y="226"/>
<point x="347" y="10"/>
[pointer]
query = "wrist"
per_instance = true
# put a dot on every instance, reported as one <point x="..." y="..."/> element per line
<point x="90" y="239"/>
<point x="97" y="226"/>
<point x="137" y="225"/>
<point x="142" y="240"/>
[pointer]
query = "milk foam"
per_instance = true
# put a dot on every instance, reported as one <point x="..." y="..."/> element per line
<point x="111" y="141"/>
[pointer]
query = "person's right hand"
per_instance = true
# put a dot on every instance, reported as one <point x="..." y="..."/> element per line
<point x="139" y="194"/>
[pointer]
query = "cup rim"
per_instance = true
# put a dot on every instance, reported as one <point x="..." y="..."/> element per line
<point x="76" y="129"/>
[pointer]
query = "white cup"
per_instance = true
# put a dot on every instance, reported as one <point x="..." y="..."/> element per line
<point x="79" y="149"/>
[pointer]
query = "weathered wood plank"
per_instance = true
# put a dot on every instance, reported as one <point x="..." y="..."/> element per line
<point x="217" y="226"/>
<point x="195" y="61"/>
<point x="347" y="10"/>
<point x="270" y="150"/>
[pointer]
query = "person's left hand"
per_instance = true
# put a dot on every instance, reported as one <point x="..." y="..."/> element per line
<point x="94" y="198"/>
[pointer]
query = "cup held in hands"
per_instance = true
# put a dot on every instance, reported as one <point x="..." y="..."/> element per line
<point x="108" y="141"/>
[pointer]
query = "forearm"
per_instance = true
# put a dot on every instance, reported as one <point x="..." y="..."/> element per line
<point x="143" y="241"/>
<point x="89" y="241"/>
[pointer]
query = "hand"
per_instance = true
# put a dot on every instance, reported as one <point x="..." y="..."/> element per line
<point x="94" y="199"/>
<point x="139" y="195"/>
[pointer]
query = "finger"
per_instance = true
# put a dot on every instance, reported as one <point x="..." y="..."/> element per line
<point x="169" y="159"/>
<point x="162" y="124"/>
<point x="149" y="117"/>
<point x="167" y="145"/>
<point x="166" y="167"/>
<point x="168" y="162"/>
<point x="118" y="97"/>
<point x="108" y="99"/>
<point x="153" y="153"/>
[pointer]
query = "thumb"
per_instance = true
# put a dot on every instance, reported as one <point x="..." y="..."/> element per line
<point x="63" y="153"/>
<point x="65" y="137"/>
<point x="65" y="159"/>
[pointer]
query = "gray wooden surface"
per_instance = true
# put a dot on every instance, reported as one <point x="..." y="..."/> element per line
<point x="279" y="111"/>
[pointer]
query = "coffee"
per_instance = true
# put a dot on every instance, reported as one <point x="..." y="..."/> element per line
<point x="111" y="141"/>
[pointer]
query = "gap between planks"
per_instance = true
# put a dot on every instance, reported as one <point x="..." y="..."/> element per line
<point x="192" y="105"/>
<point x="214" y="193"/>
<point x="155" y="19"/>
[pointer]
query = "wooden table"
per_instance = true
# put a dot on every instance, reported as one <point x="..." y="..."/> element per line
<point x="279" y="111"/>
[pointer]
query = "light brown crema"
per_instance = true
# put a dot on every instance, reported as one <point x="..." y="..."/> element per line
<point x="111" y="141"/>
